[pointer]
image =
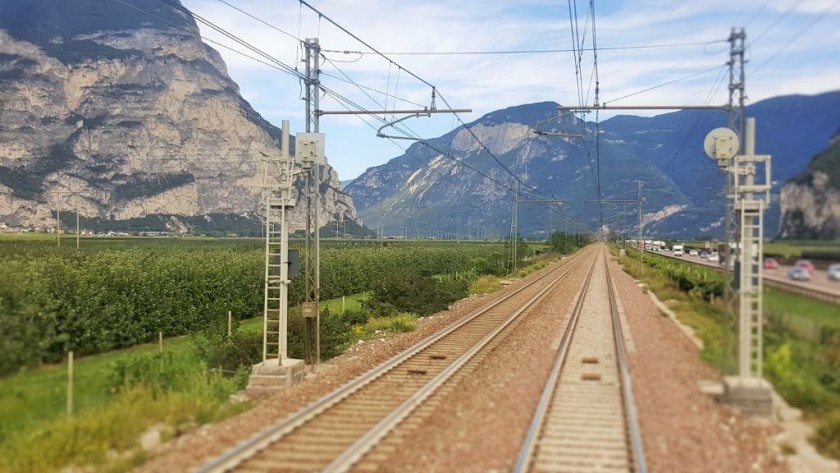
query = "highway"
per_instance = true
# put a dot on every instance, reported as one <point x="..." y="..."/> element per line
<point x="819" y="286"/>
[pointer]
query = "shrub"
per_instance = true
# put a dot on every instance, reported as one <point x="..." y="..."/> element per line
<point x="827" y="436"/>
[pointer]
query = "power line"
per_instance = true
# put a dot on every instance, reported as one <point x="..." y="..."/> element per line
<point x="689" y="76"/>
<point x="291" y="70"/>
<point x="262" y="21"/>
<point x="522" y="51"/>
<point x="152" y="15"/>
<point x="345" y="30"/>
<point x="795" y="37"/>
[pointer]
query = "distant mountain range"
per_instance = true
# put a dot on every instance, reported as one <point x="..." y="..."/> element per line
<point x="431" y="187"/>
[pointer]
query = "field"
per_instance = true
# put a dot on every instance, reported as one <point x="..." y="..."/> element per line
<point x="109" y="301"/>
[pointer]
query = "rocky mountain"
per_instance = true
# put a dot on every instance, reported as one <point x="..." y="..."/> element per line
<point x="432" y="188"/>
<point x="118" y="109"/>
<point x="811" y="201"/>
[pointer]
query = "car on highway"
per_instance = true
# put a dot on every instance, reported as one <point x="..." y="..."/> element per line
<point x="693" y="253"/>
<point x="806" y="265"/>
<point x="798" y="273"/>
<point x="834" y="272"/>
<point x="770" y="263"/>
<point x="704" y="254"/>
<point x="714" y="257"/>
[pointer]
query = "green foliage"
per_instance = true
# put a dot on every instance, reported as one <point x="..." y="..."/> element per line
<point x="422" y="295"/>
<point x="174" y="391"/>
<point x="95" y="300"/>
<point x="232" y="354"/>
<point x="794" y="383"/>
<point x="705" y="282"/>
<point x="827" y="436"/>
<point x="567" y="243"/>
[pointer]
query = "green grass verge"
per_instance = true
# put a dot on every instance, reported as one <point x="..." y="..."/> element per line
<point x="801" y="347"/>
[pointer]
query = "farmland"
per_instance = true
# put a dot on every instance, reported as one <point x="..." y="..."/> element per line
<point x="109" y="301"/>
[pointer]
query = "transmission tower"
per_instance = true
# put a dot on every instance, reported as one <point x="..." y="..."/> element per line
<point x="312" y="246"/>
<point x="514" y="230"/>
<point x="735" y="122"/>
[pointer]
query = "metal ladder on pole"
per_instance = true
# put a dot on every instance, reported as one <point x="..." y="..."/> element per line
<point x="751" y="286"/>
<point x="277" y="188"/>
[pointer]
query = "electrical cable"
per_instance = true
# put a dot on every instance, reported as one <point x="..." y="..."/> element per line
<point x="521" y="51"/>
<point x="296" y="38"/>
<point x="794" y="37"/>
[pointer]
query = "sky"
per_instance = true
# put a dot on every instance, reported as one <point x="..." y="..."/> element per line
<point x="676" y="49"/>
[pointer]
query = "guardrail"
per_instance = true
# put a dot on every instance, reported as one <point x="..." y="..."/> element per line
<point x="808" y="291"/>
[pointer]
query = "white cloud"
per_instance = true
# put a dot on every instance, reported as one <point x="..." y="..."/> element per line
<point x="485" y="83"/>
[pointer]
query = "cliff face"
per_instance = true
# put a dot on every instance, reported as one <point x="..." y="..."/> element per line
<point x="122" y="113"/>
<point x="811" y="202"/>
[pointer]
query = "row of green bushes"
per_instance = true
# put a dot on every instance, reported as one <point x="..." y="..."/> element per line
<point x="688" y="277"/>
<point x="91" y="302"/>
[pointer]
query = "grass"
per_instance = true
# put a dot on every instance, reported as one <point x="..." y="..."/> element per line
<point x="801" y="348"/>
<point x="38" y="395"/>
<point x="335" y="306"/>
<point x="403" y="322"/>
<point x="486" y="285"/>
<point x="795" y="249"/>
<point x="173" y="390"/>
<point x="35" y="396"/>
<point x="805" y="310"/>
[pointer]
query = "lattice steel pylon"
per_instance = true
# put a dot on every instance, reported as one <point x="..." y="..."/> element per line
<point x="312" y="247"/>
<point x="278" y="202"/>
<point x="735" y="122"/>
<point x="514" y="229"/>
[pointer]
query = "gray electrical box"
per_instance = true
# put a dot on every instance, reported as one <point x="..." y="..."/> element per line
<point x="307" y="309"/>
<point x="310" y="148"/>
<point x="294" y="264"/>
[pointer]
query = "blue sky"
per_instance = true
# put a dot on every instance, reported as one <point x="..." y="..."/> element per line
<point x="793" y="47"/>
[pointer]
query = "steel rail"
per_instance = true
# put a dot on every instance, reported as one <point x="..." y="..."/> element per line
<point x="637" y="449"/>
<point x="526" y="453"/>
<point x="272" y="434"/>
<point x="356" y="451"/>
<point x="526" y="456"/>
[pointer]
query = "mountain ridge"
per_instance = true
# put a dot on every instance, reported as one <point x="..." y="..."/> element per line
<point x="683" y="189"/>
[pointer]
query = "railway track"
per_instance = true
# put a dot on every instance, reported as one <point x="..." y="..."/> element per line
<point x="348" y="428"/>
<point x="586" y="418"/>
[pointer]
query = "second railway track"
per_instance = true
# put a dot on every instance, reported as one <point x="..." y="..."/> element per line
<point x="342" y="429"/>
<point x="585" y="420"/>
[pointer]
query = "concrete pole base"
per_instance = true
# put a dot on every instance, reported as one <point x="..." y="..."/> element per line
<point x="753" y="396"/>
<point x="270" y="376"/>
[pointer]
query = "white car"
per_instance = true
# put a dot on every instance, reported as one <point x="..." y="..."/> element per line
<point x="693" y="253"/>
<point x="714" y="257"/>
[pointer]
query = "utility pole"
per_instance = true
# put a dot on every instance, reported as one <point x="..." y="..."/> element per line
<point x="312" y="246"/>
<point x="641" y="233"/>
<point x="748" y="390"/>
<point x="735" y="122"/>
<point x="514" y="230"/>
